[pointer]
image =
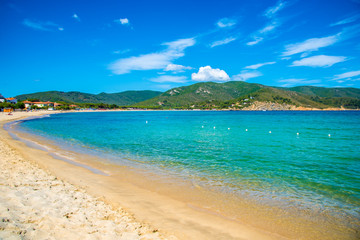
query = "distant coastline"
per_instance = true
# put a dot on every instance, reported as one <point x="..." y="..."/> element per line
<point x="235" y="95"/>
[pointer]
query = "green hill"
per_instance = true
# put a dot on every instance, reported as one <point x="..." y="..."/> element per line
<point x="224" y="95"/>
<point x="205" y="95"/>
<point x="121" y="99"/>
<point x="327" y="92"/>
<point x="201" y="92"/>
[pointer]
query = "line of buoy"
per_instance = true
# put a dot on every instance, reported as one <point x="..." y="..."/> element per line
<point x="246" y="130"/>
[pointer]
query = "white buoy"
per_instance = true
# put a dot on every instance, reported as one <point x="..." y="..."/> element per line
<point x="298" y="134"/>
<point x="146" y="122"/>
<point x="329" y="135"/>
<point x="228" y="128"/>
<point x="214" y="127"/>
<point x="202" y="126"/>
<point x="246" y="130"/>
<point x="269" y="131"/>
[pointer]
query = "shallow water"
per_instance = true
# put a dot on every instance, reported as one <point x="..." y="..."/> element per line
<point x="307" y="160"/>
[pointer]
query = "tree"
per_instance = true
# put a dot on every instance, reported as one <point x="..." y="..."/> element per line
<point x="19" y="105"/>
<point x="5" y="105"/>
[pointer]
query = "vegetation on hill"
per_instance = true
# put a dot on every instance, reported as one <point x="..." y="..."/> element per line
<point x="120" y="99"/>
<point x="237" y="95"/>
<point x="200" y="94"/>
<point x="208" y="95"/>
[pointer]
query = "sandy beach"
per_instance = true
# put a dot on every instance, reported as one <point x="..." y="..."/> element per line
<point x="47" y="198"/>
<point x="35" y="204"/>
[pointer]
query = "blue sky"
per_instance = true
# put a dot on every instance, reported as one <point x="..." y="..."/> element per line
<point x="118" y="45"/>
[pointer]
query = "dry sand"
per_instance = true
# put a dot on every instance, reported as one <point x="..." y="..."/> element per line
<point x="34" y="204"/>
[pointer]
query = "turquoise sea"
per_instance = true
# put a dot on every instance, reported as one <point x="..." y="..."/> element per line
<point x="309" y="160"/>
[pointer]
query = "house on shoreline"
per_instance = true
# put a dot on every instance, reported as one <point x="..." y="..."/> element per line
<point x="29" y="104"/>
<point x="2" y="99"/>
<point x="11" y="100"/>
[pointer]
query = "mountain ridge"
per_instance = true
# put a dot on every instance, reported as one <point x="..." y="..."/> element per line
<point x="121" y="99"/>
<point x="209" y="95"/>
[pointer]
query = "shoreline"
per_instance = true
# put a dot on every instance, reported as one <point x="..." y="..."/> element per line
<point x="36" y="204"/>
<point x="170" y="217"/>
<point x="158" y="208"/>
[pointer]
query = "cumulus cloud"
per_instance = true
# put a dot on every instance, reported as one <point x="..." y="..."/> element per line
<point x="347" y="75"/>
<point x="310" y="45"/>
<point x="176" y="68"/>
<point x="319" y="61"/>
<point x="210" y="74"/>
<point x="226" y="22"/>
<point x="151" y="61"/>
<point x="245" y="75"/>
<point x="169" y="78"/>
<point x="222" y="42"/>
<point x="76" y="17"/>
<point x="122" y="21"/>
<point x="296" y="82"/>
<point x="42" y="26"/>
<point x="346" y="20"/>
<point x="256" y="66"/>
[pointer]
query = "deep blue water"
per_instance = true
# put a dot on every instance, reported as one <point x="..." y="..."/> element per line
<point x="309" y="158"/>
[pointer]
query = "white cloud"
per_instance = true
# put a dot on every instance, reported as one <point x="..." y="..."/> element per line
<point x="256" y="41"/>
<point x="245" y="75"/>
<point x="169" y="78"/>
<point x="176" y="68"/>
<point x="319" y="61"/>
<point x="271" y="12"/>
<point x="122" y="21"/>
<point x="346" y="20"/>
<point x="151" y="61"/>
<point x="43" y="26"/>
<point x="210" y="74"/>
<point x="226" y="22"/>
<point x="180" y="45"/>
<point x="256" y="66"/>
<point x="222" y="42"/>
<point x="347" y="75"/>
<point x="270" y="27"/>
<point x="310" y="45"/>
<point x="296" y="82"/>
<point x="76" y="17"/>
